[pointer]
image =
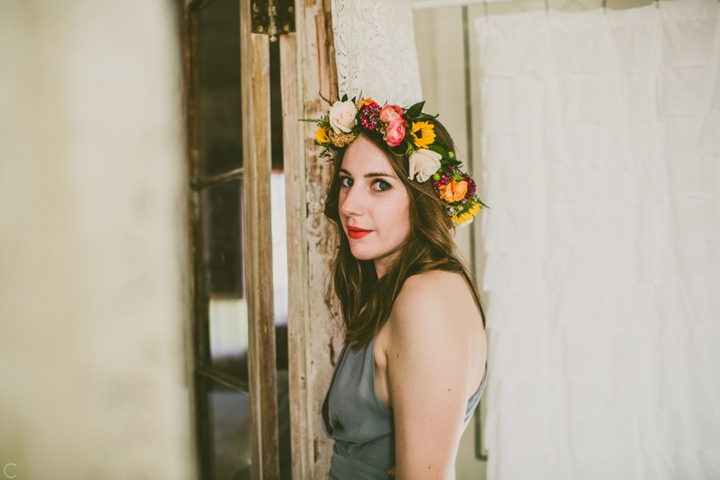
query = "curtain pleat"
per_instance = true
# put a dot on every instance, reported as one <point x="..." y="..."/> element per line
<point x="601" y="166"/>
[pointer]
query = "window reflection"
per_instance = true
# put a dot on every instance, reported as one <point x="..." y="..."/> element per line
<point x="229" y="420"/>
<point x="223" y="256"/>
<point x="219" y="106"/>
<point x="280" y="296"/>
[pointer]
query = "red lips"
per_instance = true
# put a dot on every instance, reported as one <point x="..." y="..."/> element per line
<point x="355" y="233"/>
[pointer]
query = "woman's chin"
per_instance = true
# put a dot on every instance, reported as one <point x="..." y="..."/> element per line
<point x="361" y="253"/>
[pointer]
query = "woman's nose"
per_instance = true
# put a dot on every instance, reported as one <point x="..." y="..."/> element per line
<point x="351" y="202"/>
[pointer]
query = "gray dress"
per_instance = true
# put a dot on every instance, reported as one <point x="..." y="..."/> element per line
<point x="361" y="426"/>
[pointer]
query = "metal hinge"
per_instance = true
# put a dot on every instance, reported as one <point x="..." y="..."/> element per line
<point x="273" y="17"/>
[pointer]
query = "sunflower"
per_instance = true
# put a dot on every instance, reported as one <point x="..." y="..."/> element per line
<point x="474" y="209"/>
<point x="463" y="218"/>
<point x="423" y="134"/>
<point x="467" y="215"/>
<point x="321" y="134"/>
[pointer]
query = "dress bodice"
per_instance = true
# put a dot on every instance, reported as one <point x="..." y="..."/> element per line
<point x="361" y="426"/>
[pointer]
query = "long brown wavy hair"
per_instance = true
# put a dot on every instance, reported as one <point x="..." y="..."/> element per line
<point x="365" y="300"/>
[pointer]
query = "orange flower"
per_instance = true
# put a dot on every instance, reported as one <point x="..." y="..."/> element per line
<point x="453" y="191"/>
<point x="364" y="101"/>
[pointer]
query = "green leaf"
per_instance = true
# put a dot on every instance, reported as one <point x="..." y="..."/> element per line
<point x="344" y="98"/>
<point x="438" y="149"/>
<point x="424" y="116"/>
<point x="408" y="149"/>
<point x="397" y="154"/>
<point x="416" y="109"/>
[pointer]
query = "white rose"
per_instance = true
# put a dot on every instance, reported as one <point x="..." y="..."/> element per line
<point x="424" y="164"/>
<point x="342" y="116"/>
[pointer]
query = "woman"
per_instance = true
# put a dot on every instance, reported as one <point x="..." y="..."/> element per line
<point x="414" y="362"/>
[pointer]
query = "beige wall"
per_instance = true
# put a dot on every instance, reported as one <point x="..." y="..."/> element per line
<point x="91" y="222"/>
<point x="439" y="39"/>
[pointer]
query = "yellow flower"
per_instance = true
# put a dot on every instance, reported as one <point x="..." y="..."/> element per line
<point x="423" y="134"/>
<point x="468" y="215"/>
<point x="341" y="140"/>
<point x="364" y="101"/>
<point x="462" y="218"/>
<point x="453" y="191"/>
<point x="321" y="134"/>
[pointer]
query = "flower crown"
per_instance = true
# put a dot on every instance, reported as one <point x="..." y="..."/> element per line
<point x="408" y="132"/>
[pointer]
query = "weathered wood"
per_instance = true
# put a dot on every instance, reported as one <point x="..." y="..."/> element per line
<point x="308" y="67"/>
<point x="255" y="63"/>
<point x="192" y="233"/>
<point x="298" y="287"/>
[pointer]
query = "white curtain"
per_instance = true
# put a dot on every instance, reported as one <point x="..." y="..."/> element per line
<point x="601" y="164"/>
<point x="375" y="50"/>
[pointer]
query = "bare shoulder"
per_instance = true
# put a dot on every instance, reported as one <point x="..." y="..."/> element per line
<point x="432" y="300"/>
<point x="433" y="281"/>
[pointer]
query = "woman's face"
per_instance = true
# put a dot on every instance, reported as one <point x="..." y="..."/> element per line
<point x="374" y="205"/>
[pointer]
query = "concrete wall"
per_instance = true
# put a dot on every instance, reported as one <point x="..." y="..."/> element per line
<point x="91" y="249"/>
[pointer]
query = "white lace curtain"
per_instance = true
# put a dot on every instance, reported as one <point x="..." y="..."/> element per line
<point x="601" y="148"/>
<point x="375" y="50"/>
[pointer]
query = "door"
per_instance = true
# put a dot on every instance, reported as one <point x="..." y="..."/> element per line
<point x="231" y="334"/>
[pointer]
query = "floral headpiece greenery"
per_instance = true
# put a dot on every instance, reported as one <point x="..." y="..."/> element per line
<point x="408" y="132"/>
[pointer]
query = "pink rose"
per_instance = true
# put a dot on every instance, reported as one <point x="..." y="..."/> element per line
<point x="390" y="113"/>
<point x="395" y="132"/>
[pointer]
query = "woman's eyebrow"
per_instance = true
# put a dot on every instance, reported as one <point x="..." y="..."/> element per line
<point x="378" y="174"/>
<point x="369" y="175"/>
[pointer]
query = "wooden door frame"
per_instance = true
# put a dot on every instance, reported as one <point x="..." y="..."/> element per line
<point x="255" y="75"/>
<point x="307" y="60"/>
<point x="256" y="170"/>
<point x="307" y="69"/>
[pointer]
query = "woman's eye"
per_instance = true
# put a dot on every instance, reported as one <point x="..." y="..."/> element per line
<point x="382" y="185"/>
<point x="346" y="181"/>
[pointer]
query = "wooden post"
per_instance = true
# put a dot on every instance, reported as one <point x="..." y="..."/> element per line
<point x="308" y="68"/>
<point x="255" y="74"/>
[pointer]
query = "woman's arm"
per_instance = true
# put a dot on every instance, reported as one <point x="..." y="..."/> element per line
<point x="432" y="333"/>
